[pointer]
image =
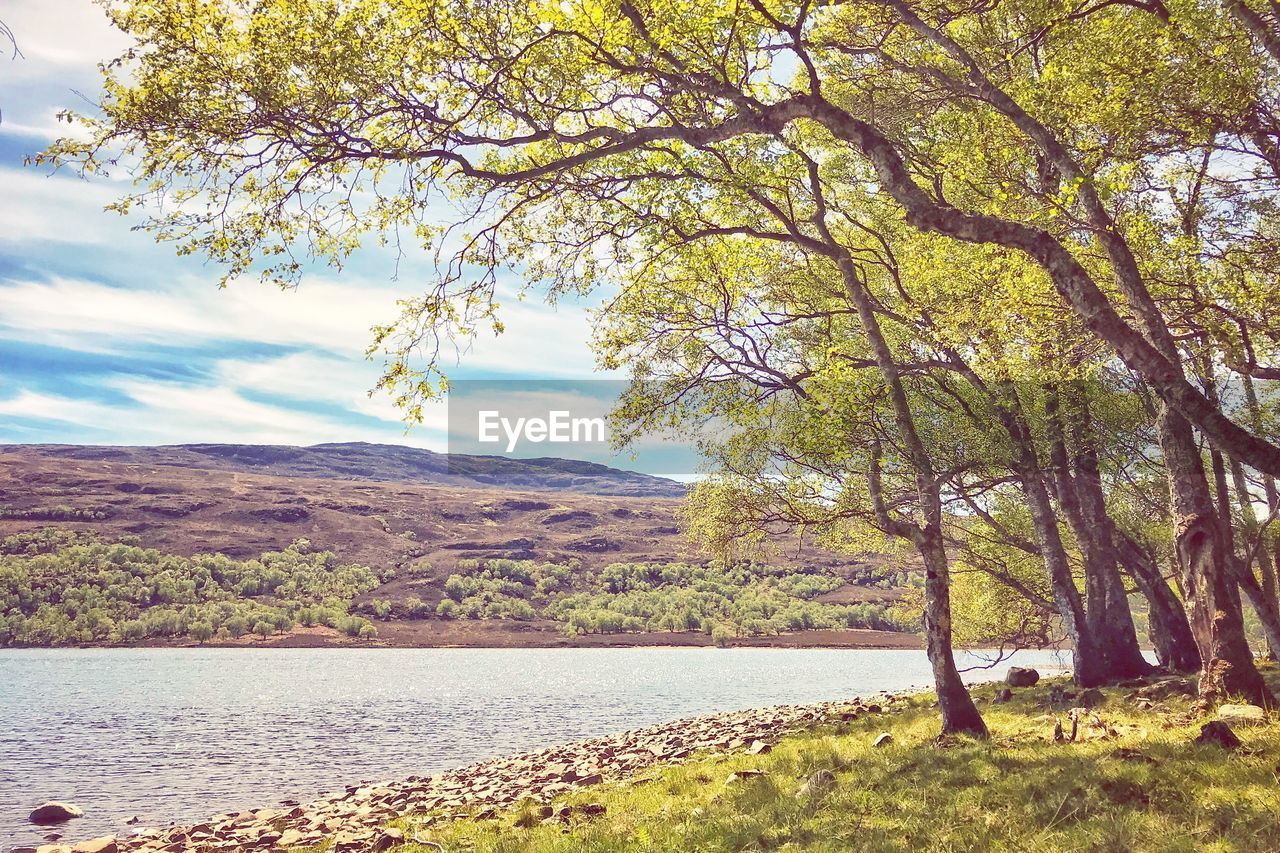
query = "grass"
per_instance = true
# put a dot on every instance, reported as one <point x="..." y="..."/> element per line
<point x="1139" y="785"/>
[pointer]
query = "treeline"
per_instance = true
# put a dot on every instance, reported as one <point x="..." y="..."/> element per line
<point x="722" y="601"/>
<point x="59" y="588"/>
<point x="61" y="512"/>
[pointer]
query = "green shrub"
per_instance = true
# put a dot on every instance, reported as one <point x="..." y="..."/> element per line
<point x="58" y="587"/>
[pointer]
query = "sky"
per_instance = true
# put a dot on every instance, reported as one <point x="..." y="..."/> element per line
<point x="109" y="338"/>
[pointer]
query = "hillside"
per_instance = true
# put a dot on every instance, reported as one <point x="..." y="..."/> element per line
<point x="414" y="535"/>
<point x="377" y="462"/>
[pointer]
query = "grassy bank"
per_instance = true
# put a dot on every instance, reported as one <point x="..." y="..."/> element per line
<point x="1133" y="780"/>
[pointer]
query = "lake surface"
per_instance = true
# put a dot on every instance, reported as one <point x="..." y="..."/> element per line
<point x="183" y="734"/>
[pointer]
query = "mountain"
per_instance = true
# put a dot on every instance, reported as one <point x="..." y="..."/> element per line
<point x="379" y="505"/>
<point x="413" y="516"/>
<point x="376" y="462"/>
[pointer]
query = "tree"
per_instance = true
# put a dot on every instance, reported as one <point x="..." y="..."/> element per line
<point x="201" y="632"/>
<point x="587" y="141"/>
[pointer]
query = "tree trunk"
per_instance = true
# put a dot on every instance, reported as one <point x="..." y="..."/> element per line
<point x="1208" y="575"/>
<point x="1175" y="643"/>
<point x="1078" y="483"/>
<point x="1268" y="568"/>
<point x="1256" y="542"/>
<point x="1090" y="664"/>
<point x="959" y="714"/>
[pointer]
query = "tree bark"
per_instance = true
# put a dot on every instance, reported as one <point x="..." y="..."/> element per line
<point x="959" y="713"/>
<point x="1256" y="552"/>
<point x="1078" y="484"/>
<point x="1090" y="665"/>
<point x="1176" y="645"/>
<point x="1208" y="573"/>
<point x="1269" y="569"/>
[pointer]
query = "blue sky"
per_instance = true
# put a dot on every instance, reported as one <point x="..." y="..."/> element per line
<point x="108" y="338"/>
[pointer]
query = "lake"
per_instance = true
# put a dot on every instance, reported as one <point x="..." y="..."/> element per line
<point x="183" y="734"/>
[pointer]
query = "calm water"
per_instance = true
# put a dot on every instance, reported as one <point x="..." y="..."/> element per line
<point x="182" y="734"/>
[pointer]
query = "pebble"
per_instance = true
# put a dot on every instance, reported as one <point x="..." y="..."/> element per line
<point x="355" y="819"/>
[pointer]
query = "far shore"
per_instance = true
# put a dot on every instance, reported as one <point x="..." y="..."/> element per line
<point x="435" y="633"/>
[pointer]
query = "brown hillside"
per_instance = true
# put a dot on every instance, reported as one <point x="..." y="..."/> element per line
<point x="422" y="530"/>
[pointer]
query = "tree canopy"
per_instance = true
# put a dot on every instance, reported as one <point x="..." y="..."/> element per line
<point x="938" y="238"/>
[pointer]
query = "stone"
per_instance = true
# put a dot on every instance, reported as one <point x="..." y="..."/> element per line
<point x="1249" y="715"/>
<point x="1003" y="696"/>
<point x="54" y="812"/>
<point x="743" y="774"/>
<point x="816" y="784"/>
<point x="1218" y="733"/>
<point x="1092" y="698"/>
<point x="290" y="838"/>
<point x="388" y="839"/>
<point x="1019" y="676"/>
<point x="883" y="740"/>
<point x="105" y="844"/>
<point x="759" y="747"/>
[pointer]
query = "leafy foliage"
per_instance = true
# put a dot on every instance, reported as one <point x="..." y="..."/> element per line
<point x="58" y="588"/>
<point x="723" y="601"/>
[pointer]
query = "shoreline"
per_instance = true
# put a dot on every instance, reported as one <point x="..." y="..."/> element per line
<point x="434" y="634"/>
<point x="356" y="817"/>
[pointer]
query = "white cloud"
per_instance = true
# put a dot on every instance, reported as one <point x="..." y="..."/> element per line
<point x="321" y="314"/>
<point x="92" y="316"/>
<point x="38" y="207"/>
<point x="323" y="378"/>
<point x="35" y="406"/>
<point x="56" y="224"/>
<point x="174" y="413"/>
<point x="60" y="37"/>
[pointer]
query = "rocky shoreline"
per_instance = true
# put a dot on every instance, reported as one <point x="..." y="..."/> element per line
<point x="355" y="819"/>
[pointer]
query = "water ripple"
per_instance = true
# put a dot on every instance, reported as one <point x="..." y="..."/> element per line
<point x="182" y="734"/>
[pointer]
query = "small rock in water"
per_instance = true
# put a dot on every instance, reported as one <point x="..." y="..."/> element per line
<point x="1250" y="715"/>
<point x="1019" y="676"/>
<point x="54" y="812"/>
<point x="883" y="740"/>
<point x="1218" y="733"/>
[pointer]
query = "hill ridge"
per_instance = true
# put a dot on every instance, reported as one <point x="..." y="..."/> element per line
<point x="360" y="460"/>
